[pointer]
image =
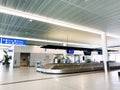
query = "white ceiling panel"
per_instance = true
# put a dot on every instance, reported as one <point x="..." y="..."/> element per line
<point x="98" y="14"/>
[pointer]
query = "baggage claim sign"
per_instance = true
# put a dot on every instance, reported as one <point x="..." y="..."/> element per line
<point x="9" y="41"/>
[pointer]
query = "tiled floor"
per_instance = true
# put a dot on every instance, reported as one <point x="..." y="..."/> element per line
<point x="29" y="79"/>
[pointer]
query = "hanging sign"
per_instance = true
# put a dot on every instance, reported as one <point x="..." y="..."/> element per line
<point x="13" y="41"/>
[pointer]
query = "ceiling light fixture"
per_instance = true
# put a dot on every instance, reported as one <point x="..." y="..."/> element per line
<point x="78" y="44"/>
<point x="43" y="40"/>
<point x="113" y="35"/>
<point x="30" y="39"/>
<point x="84" y="45"/>
<point x="47" y="20"/>
<point x="30" y="20"/>
<point x="51" y="21"/>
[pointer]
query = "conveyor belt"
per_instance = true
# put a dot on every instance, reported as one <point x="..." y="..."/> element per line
<point x="70" y="68"/>
<point x="74" y="67"/>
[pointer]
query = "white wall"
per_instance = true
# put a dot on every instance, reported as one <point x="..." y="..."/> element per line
<point x="1" y="54"/>
<point x="78" y="52"/>
<point x="36" y="54"/>
<point x="37" y="49"/>
<point x="16" y="59"/>
<point x="44" y="58"/>
<point x="11" y="54"/>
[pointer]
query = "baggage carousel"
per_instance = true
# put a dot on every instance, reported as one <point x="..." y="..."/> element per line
<point x="69" y="68"/>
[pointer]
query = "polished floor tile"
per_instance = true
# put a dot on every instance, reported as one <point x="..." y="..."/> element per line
<point x="27" y="78"/>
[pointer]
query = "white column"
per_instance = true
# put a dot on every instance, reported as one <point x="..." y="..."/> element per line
<point x="65" y="54"/>
<point x="104" y="49"/>
<point x="64" y="44"/>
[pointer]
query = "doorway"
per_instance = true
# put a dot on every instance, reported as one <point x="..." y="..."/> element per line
<point x="25" y="59"/>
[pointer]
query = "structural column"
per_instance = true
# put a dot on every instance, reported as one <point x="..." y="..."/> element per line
<point x="104" y="49"/>
<point x="64" y="44"/>
<point x="65" y="53"/>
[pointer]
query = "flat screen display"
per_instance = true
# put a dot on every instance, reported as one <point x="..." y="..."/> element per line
<point x="70" y="51"/>
<point x="100" y="52"/>
<point x="87" y="52"/>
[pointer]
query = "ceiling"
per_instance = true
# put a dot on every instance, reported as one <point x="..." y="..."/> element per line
<point x="103" y="15"/>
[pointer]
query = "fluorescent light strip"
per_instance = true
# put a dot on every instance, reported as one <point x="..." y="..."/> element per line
<point x="31" y="39"/>
<point x="42" y="40"/>
<point x="47" y="20"/>
<point x="113" y="35"/>
<point x="78" y="44"/>
<point x="85" y="45"/>
<point x="52" y="21"/>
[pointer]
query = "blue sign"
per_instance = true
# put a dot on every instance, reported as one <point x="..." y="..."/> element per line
<point x="100" y="52"/>
<point x="70" y="51"/>
<point x="10" y="50"/>
<point x="13" y="41"/>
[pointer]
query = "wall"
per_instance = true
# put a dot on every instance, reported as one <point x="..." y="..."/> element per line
<point x="1" y="54"/>
<point x="36" y="54"/>
<point x="44" y="58"/>
<point x="16" y="59"/>
<point x="37" y="49"/>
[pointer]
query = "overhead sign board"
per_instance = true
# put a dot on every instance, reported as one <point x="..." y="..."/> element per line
<point x="13" y="41"/>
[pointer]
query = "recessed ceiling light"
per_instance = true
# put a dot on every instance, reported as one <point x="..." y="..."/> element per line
<point x="26" y="33"/>
<point x="30" y="20"/>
